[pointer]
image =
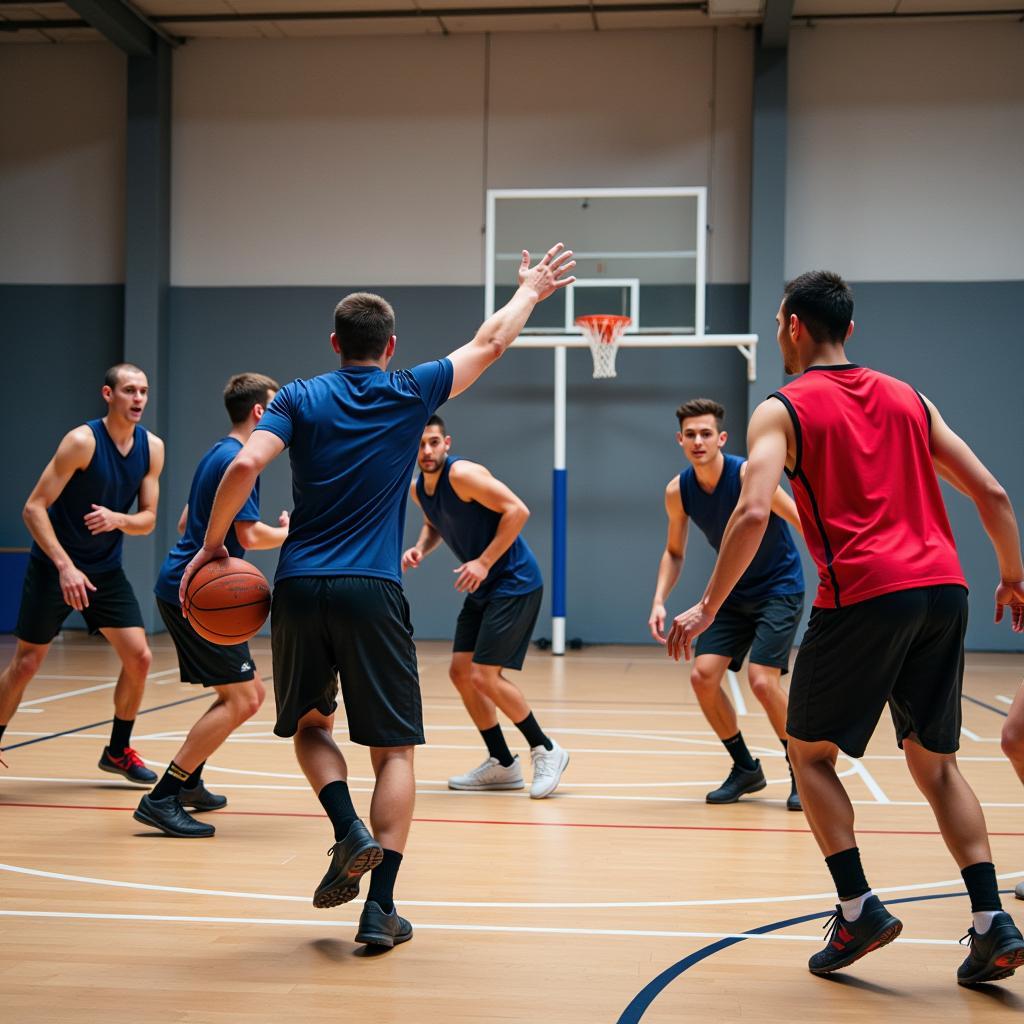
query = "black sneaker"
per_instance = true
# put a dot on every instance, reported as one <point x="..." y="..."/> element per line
<point x="740" y="781"/>
<point x="171" y="818"/>
<point x="994" y="955"/>
<point x="850" y="940"/>
<point x="379" y="929"/>
<point x="356" y="854"/>
<point x="129" y="765"/>
<point x="793" y="802"/>
<point x="201" y="799"/>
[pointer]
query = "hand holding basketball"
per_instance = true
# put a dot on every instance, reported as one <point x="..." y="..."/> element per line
<point x="202" y="556"/>
<point x="551" y="272"/>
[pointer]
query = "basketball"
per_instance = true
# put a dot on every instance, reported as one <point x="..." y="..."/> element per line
<point x="227" y="601"/>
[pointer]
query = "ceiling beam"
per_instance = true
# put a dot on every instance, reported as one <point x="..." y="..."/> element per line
<point x="128" y="29"/>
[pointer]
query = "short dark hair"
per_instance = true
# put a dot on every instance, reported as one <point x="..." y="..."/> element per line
<point x="113" y="375"/>
<point x="245" y="391"/>
<point x="363" y="325"/>
<point x="823" y="302"/>
<point x="701" y="407"/>
<point x="436" y="421"/>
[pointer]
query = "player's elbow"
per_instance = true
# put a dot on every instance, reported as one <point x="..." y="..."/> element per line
<point x="32" y="510"/>
<point x="753" y="515"/>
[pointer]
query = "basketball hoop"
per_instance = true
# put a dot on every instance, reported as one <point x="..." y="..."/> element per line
<point x="603" y="332"/>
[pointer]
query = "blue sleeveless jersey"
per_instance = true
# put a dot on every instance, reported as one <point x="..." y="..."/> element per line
<point x="112" y="480"/>
<point x="776" y="568"/>
<point x="212" y="466"/>
<point x="467" y="527"/>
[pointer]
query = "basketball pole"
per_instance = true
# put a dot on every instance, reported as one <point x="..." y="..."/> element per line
<point x="745" y="344"/>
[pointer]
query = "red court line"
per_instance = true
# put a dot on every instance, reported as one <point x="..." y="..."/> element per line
<point x="528" y="824"/>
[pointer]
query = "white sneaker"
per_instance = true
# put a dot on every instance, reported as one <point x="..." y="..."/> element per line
<point x="1019" y="891"/>
<point x="548" y="766"/>
<point x="490" y="775"/>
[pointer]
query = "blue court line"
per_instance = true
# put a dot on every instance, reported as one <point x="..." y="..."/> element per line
<point x="640" y="1004"/>
<point x="106" y="721"/>
<point x="982" y="704"/>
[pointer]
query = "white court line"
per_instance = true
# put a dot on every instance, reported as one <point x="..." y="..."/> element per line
<point x="737" y="693"/>
<point x="1005" y="699"/>
<point x="869" y="780"/>
<point x="489" y="905"/>
<point x="520" y="929"/>
<point x="109" y="685"/>
<point x="497" y="796"/>
<point x="964" y="731"/>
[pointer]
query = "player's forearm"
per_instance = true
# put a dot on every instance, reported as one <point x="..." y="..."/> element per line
<point x="670" y="568"/>
<point x="428" y="540"/>
<point x="137" y="524"/>
<point x="263" y="537"/>
<point x="39" y="525"/>
<point x="1000" y="522"/>
<point x="509" y="527"/>
<point x="742" y="538"/>
<point x="235" y="487"/>
<point x="500" y="329"/>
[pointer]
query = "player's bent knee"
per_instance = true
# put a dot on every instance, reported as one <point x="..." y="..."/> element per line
<point x="26" y="664"/>
<point x="482" y="682"/>
<point x="139" y="661"/>
<point x="1012" y="742"/>
<point x="762" y="686"/>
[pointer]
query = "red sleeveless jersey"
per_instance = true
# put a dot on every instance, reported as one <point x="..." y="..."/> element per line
<point x="864" y="482"/>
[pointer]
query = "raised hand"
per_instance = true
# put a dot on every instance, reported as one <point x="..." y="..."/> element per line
<point x="550" y="274"/>
<point x="284" y="519"/>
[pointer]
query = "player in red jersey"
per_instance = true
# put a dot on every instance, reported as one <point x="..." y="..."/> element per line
<point x="863" y="451"/>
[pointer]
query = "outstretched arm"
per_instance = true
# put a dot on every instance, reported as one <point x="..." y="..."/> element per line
<point x="767" y="442"/>
<point x="235" y="487"/>
<point x="472" y="482"/>
<point x="502" y="328"/>
<point x="958" y="464"/>
<point x="671" y="565"/>
<point x="256" y="536"/>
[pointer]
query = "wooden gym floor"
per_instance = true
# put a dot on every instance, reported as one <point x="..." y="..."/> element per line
<point x="619" y="899"/>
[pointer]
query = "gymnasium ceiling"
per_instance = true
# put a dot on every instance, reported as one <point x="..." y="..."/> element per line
<point x="41" y="21"/>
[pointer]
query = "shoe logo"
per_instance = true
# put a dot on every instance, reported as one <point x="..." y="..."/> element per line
<point x="245" y="667"/>
<point x="842" y="939"/>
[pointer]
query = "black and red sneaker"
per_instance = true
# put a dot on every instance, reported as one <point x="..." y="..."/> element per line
<point x="850" y="940"/>
<point x="994" y="955"/>
<point x="129" y="765"/>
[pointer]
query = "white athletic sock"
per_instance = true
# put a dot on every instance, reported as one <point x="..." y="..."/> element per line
<point x="983" y="920"/>
<point x="852" y="908"/>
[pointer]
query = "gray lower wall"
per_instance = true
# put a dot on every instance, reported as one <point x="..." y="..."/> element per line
<point x="959" y="343"/>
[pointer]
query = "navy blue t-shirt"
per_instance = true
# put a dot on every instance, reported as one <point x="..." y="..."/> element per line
<point x="111" y="480"/>
<point x="467" y="527"/>
<point x="212" y="466"/>
<point x="776" y="568"/>
<point x="353" y="436"/>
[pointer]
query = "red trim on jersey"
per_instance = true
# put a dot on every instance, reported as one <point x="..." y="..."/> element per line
<point x="866" y="487"/>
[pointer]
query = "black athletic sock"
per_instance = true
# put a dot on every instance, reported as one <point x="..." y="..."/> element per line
<point x="848" y="873"/>
<point x="339" y="807"/>
<point x="196" y="777"/>
<point x="382" y="881"/>
<point x="982" y="886"/>
<point x="496" y="745"/>
<point x="533" y="733"/>
<point x="120" y="736"/>
<point x="737" y="748"/>
<point x="170" y="783"/>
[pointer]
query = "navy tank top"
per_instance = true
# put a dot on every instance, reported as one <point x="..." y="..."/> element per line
<point x="467" y="527"/>
<point x="112" y="480"/>
<point x="776" y="568"/>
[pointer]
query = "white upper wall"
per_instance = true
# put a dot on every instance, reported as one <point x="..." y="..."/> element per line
<point x="62" y="151"/>
<point x="906" y="151"/>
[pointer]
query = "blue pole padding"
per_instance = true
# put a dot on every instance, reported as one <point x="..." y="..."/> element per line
<point x="558" y="544"/>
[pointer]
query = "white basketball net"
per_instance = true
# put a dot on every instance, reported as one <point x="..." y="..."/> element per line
<point x="603" y="334"/>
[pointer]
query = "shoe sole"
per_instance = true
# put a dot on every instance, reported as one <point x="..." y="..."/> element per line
<point x="346" y="889"/>
<point x="153" y="823"/>
<point x="1001" y="966"/>
<point x="382" y="939"/>
<point x="735" y="799"/>
<point x="124" y="775"/>
<point x="554" y="785"/>
<point x="489" y="787"/>
<point x="887" y="935"/>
